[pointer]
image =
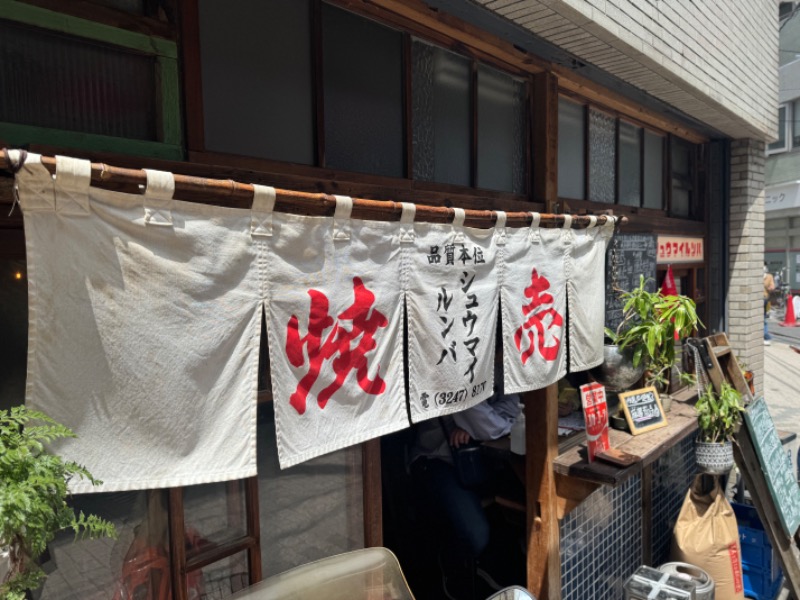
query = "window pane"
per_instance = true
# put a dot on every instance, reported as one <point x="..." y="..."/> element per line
<point x="602" y="159"/>
<point x="441" y="115"/>
<point x="682" y="177"/>
<point x="780" y="143"/>
<point x="501" y="131"/>
<point x="14" y="325"/>
<point x="257" y="94"/>
<point x="128" y="567"/>
<point x="630" y="164"/>
<point x="219" y="579"/>
<point x="308" y="512"/>
<point x="214" y="514"/>
<point x="363" y="94"/>
<point x="653" y="170"/>
<point x="571" y="160"/>
<point x="62" y="82"/>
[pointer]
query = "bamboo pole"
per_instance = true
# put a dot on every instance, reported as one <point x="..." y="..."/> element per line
<point x="226" y="192"/>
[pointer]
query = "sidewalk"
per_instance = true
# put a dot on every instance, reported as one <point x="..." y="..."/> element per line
<point x="782" y="376"/>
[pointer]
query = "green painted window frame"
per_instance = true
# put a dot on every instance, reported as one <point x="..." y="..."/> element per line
<point x="164" y="51"/>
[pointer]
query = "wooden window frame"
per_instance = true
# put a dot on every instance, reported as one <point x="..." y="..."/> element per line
<point x="165" y="52"/>
<point x="363" y="184"/>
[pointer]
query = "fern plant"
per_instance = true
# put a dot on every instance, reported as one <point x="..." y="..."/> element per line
<point x="33" y="497"/>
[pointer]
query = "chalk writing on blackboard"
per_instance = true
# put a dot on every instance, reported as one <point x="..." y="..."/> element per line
<point x="643" y="410"/>
<point x="776" y="464"/>
<point x="628" y="256"/>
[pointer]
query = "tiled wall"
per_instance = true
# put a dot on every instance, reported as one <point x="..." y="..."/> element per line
<point x="672" y="476"/>
<point x="601" y="543"/>
<point x="601" y="540"/>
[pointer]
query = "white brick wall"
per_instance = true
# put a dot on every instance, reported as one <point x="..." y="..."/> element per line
<point x="746" y="262"/>
<point x="715" y="60"/>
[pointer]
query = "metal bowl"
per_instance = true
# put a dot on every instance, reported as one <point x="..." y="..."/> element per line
<point x="617" y="372"/>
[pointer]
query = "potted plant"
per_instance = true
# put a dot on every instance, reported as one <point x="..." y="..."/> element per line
<point x="33" y="498"/>
<point x="718" y="416"/>
<point x="650" y="324"/>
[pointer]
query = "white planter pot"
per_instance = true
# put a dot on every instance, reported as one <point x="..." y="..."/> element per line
<point x="714" y="458"/>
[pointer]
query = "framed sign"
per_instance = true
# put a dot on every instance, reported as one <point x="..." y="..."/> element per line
<point x="643" y="410"/>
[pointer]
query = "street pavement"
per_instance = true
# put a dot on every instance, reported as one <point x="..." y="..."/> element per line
<point x="782" y="378"/>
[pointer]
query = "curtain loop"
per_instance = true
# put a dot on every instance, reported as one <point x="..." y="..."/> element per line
<point x="500" y="227"/>
<point x="261" y="211"/>
<point x="407" y="235"/>
<point x="341" y="218"/>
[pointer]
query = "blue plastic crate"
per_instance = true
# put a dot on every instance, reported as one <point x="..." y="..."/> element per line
<point x="761" y="570"/>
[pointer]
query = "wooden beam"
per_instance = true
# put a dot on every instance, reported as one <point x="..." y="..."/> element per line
<point x="177" y="543"/>
<point x="373" y="496"/>
<point x="545" y="140"/>
<point x="541" y="445"/>
<point x="571" y="492"/>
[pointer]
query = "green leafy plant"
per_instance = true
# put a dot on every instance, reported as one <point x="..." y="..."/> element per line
<point x="649" y="323"/>
<point x="718" y="415"/>
<point x="33" y="497"/>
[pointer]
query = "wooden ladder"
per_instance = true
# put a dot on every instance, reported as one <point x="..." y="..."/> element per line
<point x="724" y="367"/>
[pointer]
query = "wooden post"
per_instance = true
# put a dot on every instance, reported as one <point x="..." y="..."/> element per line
<point x="541" y="406"/>
<point x="541" y="446"/>
<point x="373" y="497"/>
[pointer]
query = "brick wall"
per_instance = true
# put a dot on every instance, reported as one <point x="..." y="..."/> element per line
<point x="715" y="61"/>
<point x="745" y="292"/>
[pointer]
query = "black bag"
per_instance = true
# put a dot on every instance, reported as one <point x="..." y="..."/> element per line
<point x="470" y="464"/>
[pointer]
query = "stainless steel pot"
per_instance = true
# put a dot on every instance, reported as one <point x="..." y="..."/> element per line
<point x="617" y="372"/>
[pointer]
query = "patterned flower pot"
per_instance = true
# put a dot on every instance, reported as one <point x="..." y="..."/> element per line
<point x="714" y="458"/>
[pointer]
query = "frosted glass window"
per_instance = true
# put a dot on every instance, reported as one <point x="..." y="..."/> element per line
<point x="362" y="67"/>
<point x="501" y="131"/>
<point x="653" y="171"/>
<point x="602" y="156"/>
<point x="682" y="178"/>
<point x="308" y="512"/>
<point x="571" y="156"/>
<point x="441" y="115"/>
<point x="630" y="164"/>
<point x="52" y="80"/>
<point x="257" y="88"/>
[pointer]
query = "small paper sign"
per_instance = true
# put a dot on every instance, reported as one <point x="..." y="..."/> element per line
<point x="643" y="410"/>
<point x="595" y="412"/>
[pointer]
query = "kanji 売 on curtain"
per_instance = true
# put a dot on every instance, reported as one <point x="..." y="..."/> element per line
<point x="534" y="304"/>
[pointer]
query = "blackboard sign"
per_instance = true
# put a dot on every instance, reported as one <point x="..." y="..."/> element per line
<point x="776" y="464"/>
<point x="643" y="410"/>
<point x="627" y="257"/>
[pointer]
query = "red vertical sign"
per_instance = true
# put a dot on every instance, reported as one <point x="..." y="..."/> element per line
<point x="595" y="413"/>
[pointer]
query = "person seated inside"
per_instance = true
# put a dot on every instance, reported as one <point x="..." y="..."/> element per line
<point x="474" y="556"/>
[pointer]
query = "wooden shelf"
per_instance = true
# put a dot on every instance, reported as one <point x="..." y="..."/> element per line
<point x="650" y="446"/>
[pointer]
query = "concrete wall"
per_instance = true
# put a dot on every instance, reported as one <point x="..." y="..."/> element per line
<point x="715" y="61"/>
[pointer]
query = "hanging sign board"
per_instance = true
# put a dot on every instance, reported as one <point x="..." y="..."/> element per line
<point x="679" y="249"/>
<point x="643" y="410"/>
<point x="628" y="256"/>
<point x="776" y="464"/>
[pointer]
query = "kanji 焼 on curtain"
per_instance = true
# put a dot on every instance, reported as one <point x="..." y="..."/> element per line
<point x="335" y="332"/>
<point x="534" y="301"/>
<point x="452" y="318"/>
<point x="586" y="294"/>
